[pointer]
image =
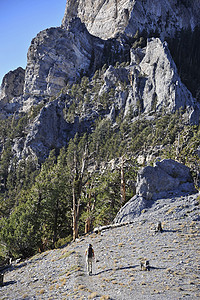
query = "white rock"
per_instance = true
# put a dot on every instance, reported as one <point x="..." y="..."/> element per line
<point x="105" y="19"/>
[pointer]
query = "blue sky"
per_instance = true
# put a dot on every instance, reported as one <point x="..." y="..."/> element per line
<point x="20" y="21"/>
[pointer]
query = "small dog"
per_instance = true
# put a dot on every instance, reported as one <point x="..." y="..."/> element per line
<point x="159" y="227"/>
<point x="145" y="266"/>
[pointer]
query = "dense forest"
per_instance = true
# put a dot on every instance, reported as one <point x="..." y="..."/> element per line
<point x="84" y="184"/>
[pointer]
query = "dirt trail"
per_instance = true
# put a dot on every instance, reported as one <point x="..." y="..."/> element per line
<point x="174" y="257"/>
<point x="174" y="263"/>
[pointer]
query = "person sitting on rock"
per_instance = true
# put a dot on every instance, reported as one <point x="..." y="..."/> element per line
<point x="89" y="253"/>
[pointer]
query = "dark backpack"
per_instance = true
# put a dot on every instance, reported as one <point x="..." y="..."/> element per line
<point x="90" y="252"/>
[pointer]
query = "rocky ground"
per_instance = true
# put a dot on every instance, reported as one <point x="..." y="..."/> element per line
<point x="173" y="255"/>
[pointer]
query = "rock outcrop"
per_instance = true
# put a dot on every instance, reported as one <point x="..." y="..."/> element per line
<point x="157" y="85"/>
<point x="48" y="131"/>
<point x="57" y="56"/>
<point x="61" y="55"/>
<point x="154" y="83"/>
<point x="152" y="86"/>
<point x="106" y="19"/>
<point x="12" y="85"/>
<point x="149" y="84"/>
<point x="166" y="179"/>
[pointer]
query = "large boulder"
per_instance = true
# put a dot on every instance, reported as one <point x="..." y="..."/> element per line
<point x="167" y="179"/>
<point x="131" y="209"/>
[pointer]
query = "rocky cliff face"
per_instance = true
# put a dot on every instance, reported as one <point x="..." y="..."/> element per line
<point x="12" y="85"/>
<point x="62" y="55"/>
<point x="154" y="83"/>
<point x="102" y="18"/>
<point x="108" y="18"/>
<point x="49" y="130"/>
<point x="152" y="86"/>
<point x="58" y="56"/>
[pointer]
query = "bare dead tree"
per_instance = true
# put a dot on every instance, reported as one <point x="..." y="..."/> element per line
<point x="123" y="187"/>
<point x="90" y="209"/>
<point x="76" y="191"/>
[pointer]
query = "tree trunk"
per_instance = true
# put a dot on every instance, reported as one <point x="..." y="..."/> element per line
<point x="76" y="192"/>
<point x="55" y="224"/>
<point x="90" y="209"/>
<point x="75" y="216"/>
<point x="123" y="188"/>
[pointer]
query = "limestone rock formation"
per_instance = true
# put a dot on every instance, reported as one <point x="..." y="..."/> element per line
<point x="48" y="131"/>
<point x="166" y="179"/>
<point x="154" y="83"/>
<point x="57" y="56"/>
<point x="152" y="86"/>
<point x="157" y="85"/>
<point x="102" y="18"/>
<point x="106" y="19"/>
<point x="12" y="85"/>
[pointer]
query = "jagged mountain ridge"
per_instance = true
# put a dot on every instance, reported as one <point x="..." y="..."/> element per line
<point x="55" y="57"/>
<point x="58" y="56"/>
<point x="148" y="84"/>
